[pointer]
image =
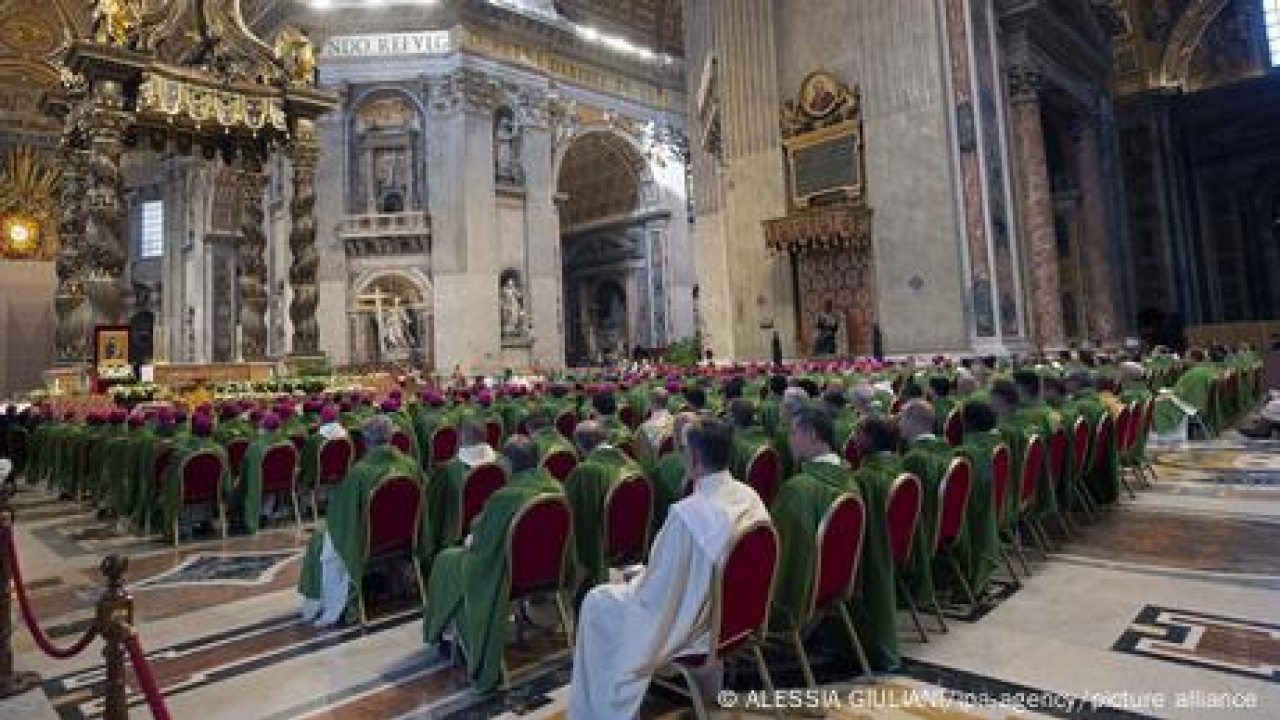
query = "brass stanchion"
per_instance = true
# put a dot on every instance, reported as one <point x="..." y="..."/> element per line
<point x="115" y="617"/>
<point x="11" y="682"/>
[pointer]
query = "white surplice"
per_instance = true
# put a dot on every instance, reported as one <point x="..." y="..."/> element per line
<point x="627" y="631"/>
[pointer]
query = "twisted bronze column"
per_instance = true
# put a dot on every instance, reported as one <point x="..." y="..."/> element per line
<point x="72" y="329"/>
<point x="104" y="123"/>
<point x="252" y="257"/>
<point x="303" y="152"/>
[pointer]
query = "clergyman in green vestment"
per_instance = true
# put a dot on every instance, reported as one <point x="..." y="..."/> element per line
<point x="334" y="561"/>
<point x="468" y="584"/>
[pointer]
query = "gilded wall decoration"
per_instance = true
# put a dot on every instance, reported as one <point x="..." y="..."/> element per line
<point x="29" y="183"/>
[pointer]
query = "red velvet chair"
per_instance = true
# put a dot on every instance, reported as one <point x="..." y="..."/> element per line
<point x="537" y="557"/>
<point x="1104" y="438"/>
<point x="357" y="441"/>
<point x="1059" y="452"/>
<point x="741" y="592"/>
<point x="200" y="482"/>
<point x="668" y="445"/>
<point x="1033" y="473"/>
<point x="1001" y="477"/>
<point x="628" y="511"/>
<point x="444" y="445"/>
<point x="334" y="459"/>
<point x="953" y="505"/>
<point x="764" y="474"/>
<point x="393" y="517"/>
<point x="280" y="475"/>
<point x="902" y="515"/>
<point x="299" y="442"/>
<point x="839" y="553"/>
<point x="1080" y="437"/>
<point x="953" y="428"/>
<point x="236" y="448"/>
<point x="629" y="416"/>
<point x="1123" y="435"/>
<point x="566" y="423"/>
<point x="404" y="442"/>
<point x="493" y="433"/>
<point x="560" y="463"/>
<point x="480" y="483"/>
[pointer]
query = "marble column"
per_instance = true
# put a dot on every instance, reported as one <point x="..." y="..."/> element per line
<point x="107" y="252"/>
<point x="1099" y="298"/>
<point x="304" y="153"/>
<point x="1037" y="207"/>
<point x="251" y="181"/>
<point x="544" y="273"/>
<point x="71" y="334"/>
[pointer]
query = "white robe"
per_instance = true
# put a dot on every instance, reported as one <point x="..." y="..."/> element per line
<point x="627" y="631"/>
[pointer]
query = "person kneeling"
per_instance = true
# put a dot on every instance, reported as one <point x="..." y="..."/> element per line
<point x="627" y="630"/>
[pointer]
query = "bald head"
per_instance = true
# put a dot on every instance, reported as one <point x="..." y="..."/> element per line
<point x="915" y="418"/>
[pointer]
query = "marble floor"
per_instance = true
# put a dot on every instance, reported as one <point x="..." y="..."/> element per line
<point x="1166" y="607"/>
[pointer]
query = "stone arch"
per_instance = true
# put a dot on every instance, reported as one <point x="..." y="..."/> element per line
<point x="373" y="296"/>
<point x="623" y="146"/>
<point x="1175" y="65"/>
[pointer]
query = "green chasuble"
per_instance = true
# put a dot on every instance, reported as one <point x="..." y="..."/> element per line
<point x="746" y="443"/>
<point x="669" y="483"/>
<point x="549" y="440"/>
<point x="110" y="467"/>
<point x="978" y="551"/>
<point x="1194" y="388"/>
<point x="587" y="488"/>
<point x="247" y="496"/>
<point x="797" y="511"/>
<point x="143" y="494"/>
<point x="468" y="585"/>
<point x="928" y="458"/>
<point x="1104" y="486"/>
<point x="442" y="526"/>
<point x="345" y="519"/>
<point x="874" y="607"/>
<point x="129" y="470"/>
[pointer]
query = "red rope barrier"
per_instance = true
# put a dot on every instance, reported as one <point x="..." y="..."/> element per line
<point x="146" y="678"/>
<point x="28" y="616"/>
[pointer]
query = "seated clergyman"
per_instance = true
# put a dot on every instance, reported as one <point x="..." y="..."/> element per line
<point x="334" y="561"/>
<point x="627" y="630"/>
<point x="468" y="585"/>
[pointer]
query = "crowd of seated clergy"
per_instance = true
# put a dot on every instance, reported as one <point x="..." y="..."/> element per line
<point x="836" y="429"/>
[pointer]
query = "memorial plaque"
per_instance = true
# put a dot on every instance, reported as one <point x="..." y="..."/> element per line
<point x="826" y="166"/>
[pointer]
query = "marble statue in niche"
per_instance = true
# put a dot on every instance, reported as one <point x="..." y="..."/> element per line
<point x="396" y="329"/>
<point x="506" y="147"/>
<point x="515" y="319"/>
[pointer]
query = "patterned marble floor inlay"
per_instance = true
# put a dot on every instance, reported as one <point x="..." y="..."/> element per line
<point x="1239" y="646"/>
<point x="232" y="568"/>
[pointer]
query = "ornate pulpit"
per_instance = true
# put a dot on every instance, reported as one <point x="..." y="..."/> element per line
<point x="827" y="230"/>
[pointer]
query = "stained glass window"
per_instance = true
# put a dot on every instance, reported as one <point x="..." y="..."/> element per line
<point x="151" y="230"/>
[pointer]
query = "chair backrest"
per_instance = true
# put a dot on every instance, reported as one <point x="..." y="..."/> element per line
<point x="444" y="445"/>
<point x="743" y="589"/>
<point x="560" y="463"/>
<point x="668" y="444"/>
<point x="1103" y="438"/>
<point x="1001" y="472"/>
<point x="628" y="509"/>
<point x="401" y="441"/>
<point x="538" y="545"/>
<point x="235" y="455"/>
<point x="1080" y="444"/>
<point x="201" y="477"/>
<point x="953" y="428"/>
<point x="393" y="514"/>
<point x="896" y="405"/>
<point x="357" y="441"/>
<point x="566" y="422"/>
<point x="1149" y="417"/>
<point x="279" y="467"/>
<point x="1058" y="446"/>
<point x="852" y="451"/>
<point x="764" y="474"/>
<point x="839" y="551"/>
<point x="1122" y="421"/>
<point x="163" y="459"/>
<point x="334" y="460"/>
<point x="902" y="514"/>
<point x="480" y="483"/>
<point x="953" y="499"/>
<point x="493" y="433"/>
<point x="1032" y="466"/>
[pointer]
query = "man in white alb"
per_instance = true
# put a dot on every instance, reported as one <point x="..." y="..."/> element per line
<point x="626" y="631"/>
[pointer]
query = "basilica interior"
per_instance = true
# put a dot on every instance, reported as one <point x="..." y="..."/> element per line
<point x="422" y="192"/>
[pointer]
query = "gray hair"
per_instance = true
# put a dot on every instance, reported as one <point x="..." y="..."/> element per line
<point x="378" y="431"/>
<point x="915" y="418"/>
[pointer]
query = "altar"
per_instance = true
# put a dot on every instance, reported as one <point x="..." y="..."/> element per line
<point x="182" y="376"/>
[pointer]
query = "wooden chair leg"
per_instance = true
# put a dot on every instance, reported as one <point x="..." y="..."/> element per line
<point x="175" y="527"/>
<point x="805" y="668"/>
<point x="853" y="637"/>
<point x="937" y="611"/>
<point x="1016" y="536"/>
<point x="222" y="513"/>
<point x="1008" y="564"/>
<point x="911" y="605"/>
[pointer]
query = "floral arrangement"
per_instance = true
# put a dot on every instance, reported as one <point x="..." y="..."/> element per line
<point x="134" y="393"/>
